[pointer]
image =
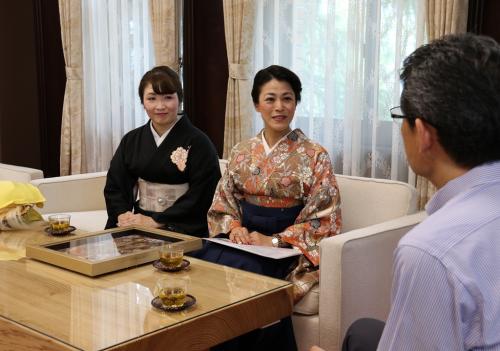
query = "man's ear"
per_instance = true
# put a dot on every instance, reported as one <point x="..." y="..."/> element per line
<point x="426" y="135"/>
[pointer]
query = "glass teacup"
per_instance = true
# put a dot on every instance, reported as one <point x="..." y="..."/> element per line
<point x="171" y="255"/>
<point x="172" y="291"/>
<point x="59" y="223"/>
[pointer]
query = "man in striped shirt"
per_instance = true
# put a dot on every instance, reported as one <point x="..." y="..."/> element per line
<point x="446" y="273"/>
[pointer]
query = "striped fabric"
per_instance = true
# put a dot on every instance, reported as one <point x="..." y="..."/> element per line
<point x="446" y="287"/>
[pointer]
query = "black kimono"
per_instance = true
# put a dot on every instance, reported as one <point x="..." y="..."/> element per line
<point x="138" y="156"/>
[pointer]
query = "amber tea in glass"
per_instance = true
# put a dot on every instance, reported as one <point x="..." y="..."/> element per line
<point x="171" y="255"/>
<point x="172" y="291"/>
<point x="59" y="223"/>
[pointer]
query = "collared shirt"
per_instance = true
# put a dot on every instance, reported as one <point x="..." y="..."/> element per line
<point x="159" y="139"/>
<point x="446" y="275"/>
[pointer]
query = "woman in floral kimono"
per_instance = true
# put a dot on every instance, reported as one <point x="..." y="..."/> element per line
<point x="164" y="173"/>
<point x="279" y="190"/>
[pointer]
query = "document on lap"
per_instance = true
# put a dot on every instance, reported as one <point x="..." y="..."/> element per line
<point x="266" y="251"/>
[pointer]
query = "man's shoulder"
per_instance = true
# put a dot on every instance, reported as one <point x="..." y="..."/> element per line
<point x="468" y="215"/>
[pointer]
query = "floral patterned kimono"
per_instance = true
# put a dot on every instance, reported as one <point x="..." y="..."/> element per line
<point x="296" y="172"/>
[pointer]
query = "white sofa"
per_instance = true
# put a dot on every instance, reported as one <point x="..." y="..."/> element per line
<point x="80" y="195"/>
<point x="355" y="267"/>
<point x="18" y="173"/>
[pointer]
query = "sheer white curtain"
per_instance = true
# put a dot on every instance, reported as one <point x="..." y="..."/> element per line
<point x="117" y="51"/>
<point x="348" y="54"/>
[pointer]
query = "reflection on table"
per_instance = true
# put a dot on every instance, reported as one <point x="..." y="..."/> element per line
<point x="113" y="309"/>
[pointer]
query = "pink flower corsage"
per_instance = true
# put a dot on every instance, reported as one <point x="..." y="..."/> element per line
<point x="179" y="158"/>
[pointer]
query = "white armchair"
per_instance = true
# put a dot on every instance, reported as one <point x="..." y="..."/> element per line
<point x="80" y="195"/>
<point x="18" y="173"/>
<point x="355" y="267"/>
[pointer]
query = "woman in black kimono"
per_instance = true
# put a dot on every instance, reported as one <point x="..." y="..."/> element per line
<point x="163" y="174"/>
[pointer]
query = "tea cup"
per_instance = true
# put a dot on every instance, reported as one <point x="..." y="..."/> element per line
<point x="172" y="291"/>
<point x="59" y="223"/>
<point x="171" y="255"/>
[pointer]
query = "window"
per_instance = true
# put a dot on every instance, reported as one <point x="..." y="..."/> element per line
<point x="348" y="55"/>
<point x="117" y="51"/>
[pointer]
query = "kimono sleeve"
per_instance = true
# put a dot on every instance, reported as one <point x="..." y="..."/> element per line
<point x="321" y="216"/>
<point x="119" y="188"/>
<point x="225" y="212"/>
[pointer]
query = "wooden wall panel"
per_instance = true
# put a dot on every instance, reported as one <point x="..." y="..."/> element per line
<point x="19" y="133"/>
<point x="32" y="84"/>
<point x="483" y="18"/>
<point x="205" y="67"/>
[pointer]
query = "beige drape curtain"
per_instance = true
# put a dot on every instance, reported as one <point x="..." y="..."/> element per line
<point x="442" y="17"/>
<point x="446" y="17"/>
<point x="165" y="30"/>
<point x="72" y="159"/>
<point x="239" y="17"/>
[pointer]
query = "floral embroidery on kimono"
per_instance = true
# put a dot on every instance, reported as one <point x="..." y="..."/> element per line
<point x="297" y="172"/>
<point x="179" y="158"/>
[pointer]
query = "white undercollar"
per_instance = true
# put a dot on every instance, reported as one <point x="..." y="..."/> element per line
<point x="159" y="139"/>
<point x="268" y="149"/>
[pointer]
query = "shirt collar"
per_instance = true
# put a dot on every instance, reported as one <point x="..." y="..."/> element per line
<point x="485" y="173"/>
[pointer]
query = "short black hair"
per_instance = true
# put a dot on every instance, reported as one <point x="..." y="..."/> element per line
<point x="280" y="73"/>
<point x="163" y="79"/>
<point x="454" y="84"/>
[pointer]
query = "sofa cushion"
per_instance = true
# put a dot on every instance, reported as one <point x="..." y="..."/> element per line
<point x="306" y="330"/>
<point x="73" y="193"/>
<point x="309" y="305"/>
<point x="368" y="201"/>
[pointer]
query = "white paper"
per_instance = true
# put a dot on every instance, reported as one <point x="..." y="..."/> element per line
<point x="266" y="251"/>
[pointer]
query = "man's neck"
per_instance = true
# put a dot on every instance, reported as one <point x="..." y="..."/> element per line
<point x="444" y="171"/>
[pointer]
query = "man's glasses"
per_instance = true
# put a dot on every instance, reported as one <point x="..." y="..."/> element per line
<point x="398" y="116"/>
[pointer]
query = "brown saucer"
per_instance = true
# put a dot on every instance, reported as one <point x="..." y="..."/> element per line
<point x="160" y="266"/>
<point x="48" y="230"/>
<point x="157" y="303"/>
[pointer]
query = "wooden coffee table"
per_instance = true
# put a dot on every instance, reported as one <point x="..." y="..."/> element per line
<point x="43" y="307"/>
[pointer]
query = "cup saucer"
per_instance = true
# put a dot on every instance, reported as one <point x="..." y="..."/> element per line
<point x="48" y="230"/>
<point x="157" y="303"/>
<point x="160" y="266"/>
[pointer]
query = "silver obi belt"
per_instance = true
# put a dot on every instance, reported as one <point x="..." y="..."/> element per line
<point x="157" y="197"/>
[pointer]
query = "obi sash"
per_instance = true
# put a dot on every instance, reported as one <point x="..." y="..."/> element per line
<point x="268" y="220"/>
<point x="157" y="197"/>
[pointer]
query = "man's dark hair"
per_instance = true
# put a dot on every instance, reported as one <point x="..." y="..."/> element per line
<point x="163" y="80"/>
<point x="279" y="73"/>
<point x="454" y="84"/>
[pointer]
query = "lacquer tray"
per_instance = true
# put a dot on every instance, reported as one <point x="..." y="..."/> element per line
<point x="110" y="250"/>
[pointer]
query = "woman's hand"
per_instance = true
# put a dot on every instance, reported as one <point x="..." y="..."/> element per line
<point x="129" y="218"/>
<point x="257" y="238"/>
<point x="124" y="218"/>
<point x="239" y="235"/>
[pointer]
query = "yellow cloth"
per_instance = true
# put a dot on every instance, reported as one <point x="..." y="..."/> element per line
<point x="15" y="193"/>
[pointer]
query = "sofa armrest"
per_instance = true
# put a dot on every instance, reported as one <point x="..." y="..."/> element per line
<point x="356" y="276"/>
<point x="73" y="193"/>
<point x="19" y="173"/>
